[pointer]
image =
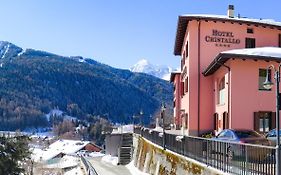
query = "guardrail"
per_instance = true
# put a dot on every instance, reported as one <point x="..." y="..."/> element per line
<point x="231" y="158"/>
<point x="90" y="170"/>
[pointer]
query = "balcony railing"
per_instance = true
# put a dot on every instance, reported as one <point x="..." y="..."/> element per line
<point x="232" y="158"/>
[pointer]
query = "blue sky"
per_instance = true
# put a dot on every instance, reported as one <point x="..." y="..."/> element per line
<point x="114" y="32"/>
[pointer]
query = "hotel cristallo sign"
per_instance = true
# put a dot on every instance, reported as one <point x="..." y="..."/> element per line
<point x="222" y="38"/>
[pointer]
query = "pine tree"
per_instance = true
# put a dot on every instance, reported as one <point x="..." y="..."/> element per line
<point x="13" y="152"/>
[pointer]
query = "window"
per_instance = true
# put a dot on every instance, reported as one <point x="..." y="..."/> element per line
<point x="182" y="63"/>
<point x="247" y="134"/>
<point x="250" y="43"/>
<point x="250" y="30"/>
<point x="221" y="91"/>
<point x="225" y="134"/>
<point x="262" y="77"/>
<point x="222" y="134"/>
<point x="186" y="85"/>
<point x="279" y="40"/>
<point x="229" y="135"/>
<point x="264" y="121"/>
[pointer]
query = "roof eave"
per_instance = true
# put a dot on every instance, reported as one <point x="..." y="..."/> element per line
<point x="182" y="24"/>
<point x="221" y="58"/>
<point x="183" y="21"/>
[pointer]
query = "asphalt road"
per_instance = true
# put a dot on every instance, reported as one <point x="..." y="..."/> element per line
<point x="104" y="168"/>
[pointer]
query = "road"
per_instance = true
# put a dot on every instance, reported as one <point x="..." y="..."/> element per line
<point x="104" y="168"/>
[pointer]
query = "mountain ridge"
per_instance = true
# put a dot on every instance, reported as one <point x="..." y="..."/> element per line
<point x="34" y="82"/>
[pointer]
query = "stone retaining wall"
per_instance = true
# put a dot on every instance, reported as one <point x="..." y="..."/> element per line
<point x="152" y="159"/>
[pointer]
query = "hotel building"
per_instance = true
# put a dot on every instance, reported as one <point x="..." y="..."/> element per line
<point x="223" y="66"/>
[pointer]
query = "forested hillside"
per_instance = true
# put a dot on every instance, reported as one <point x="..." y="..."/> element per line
<point x="34" y="82"/>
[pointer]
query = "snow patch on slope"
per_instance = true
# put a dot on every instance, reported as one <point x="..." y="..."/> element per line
<point x="6" y="50"/>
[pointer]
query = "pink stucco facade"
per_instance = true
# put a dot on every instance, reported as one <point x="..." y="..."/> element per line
<point x="176" y="80"/>
<point x="241" y="98"/>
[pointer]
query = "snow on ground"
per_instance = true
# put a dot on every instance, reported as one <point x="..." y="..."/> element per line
<point x="65" y="162"/>
<point x="96" y="154"/>
<point x="134" y="170"/>
<point x="45" y="134"/>
<point x="110" y="159"/>
<point x="74" y="171"/>
<point x="54" y="112"/>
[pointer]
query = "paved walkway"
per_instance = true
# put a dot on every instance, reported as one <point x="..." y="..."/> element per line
<point x="104" y="168"/>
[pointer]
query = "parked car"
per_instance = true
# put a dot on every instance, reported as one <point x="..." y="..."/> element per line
<point x="241" y="136"/>
<point x="233" y="144"/>
<point x="271" y="136"/>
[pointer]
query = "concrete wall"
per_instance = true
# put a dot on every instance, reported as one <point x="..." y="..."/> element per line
<point x="112" y="143"/>
<point x="152" y="159"/>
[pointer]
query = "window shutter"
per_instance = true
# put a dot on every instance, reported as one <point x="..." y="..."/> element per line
<point x="182" y="89"/>
<point x="186" y="121"/>
<point x="186" y="84"/>
<point x="256" y="121"/>
<point x="273" y="120"/>
<point x="225" y="120"/>
<point x="216" y="120"/>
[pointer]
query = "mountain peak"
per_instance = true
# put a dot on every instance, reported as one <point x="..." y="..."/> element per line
<point x="143" y="62"/>
<point x="144" y="66"/>
<point x="8" y="50"/>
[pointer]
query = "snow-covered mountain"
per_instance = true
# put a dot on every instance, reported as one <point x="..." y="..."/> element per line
<point x="159" y="71"/>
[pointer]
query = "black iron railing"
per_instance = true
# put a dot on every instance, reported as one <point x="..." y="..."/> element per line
<point x="90" y="170"/>
<point x="232" y="158"/>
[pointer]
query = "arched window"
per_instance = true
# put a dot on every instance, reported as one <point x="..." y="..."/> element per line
<point x="222" y="84"/>
<point x="221" y="91"/>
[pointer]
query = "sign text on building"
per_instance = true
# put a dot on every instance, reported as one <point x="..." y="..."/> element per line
<point x="222" y="38"/>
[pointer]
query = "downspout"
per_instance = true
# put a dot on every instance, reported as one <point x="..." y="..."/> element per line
<point x="199" y="74"/>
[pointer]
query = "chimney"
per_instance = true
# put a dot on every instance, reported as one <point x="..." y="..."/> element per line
<point x="230" y="11"/>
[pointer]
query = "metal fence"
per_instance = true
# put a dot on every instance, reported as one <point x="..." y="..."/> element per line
<point x="232" y="158"/>
<point x="90" y="170"/>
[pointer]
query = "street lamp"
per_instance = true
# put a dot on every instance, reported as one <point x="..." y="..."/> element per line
<point x="163" y="108"/>
<point x="268" y="85"/>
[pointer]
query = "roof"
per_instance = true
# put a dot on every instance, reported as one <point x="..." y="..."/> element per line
<point x="68" y="146"/>
<point x="173" y="74"/>
<point x="58" y="147"/>
<point x="184" y="19"/>
<point x="260" y="53"/>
